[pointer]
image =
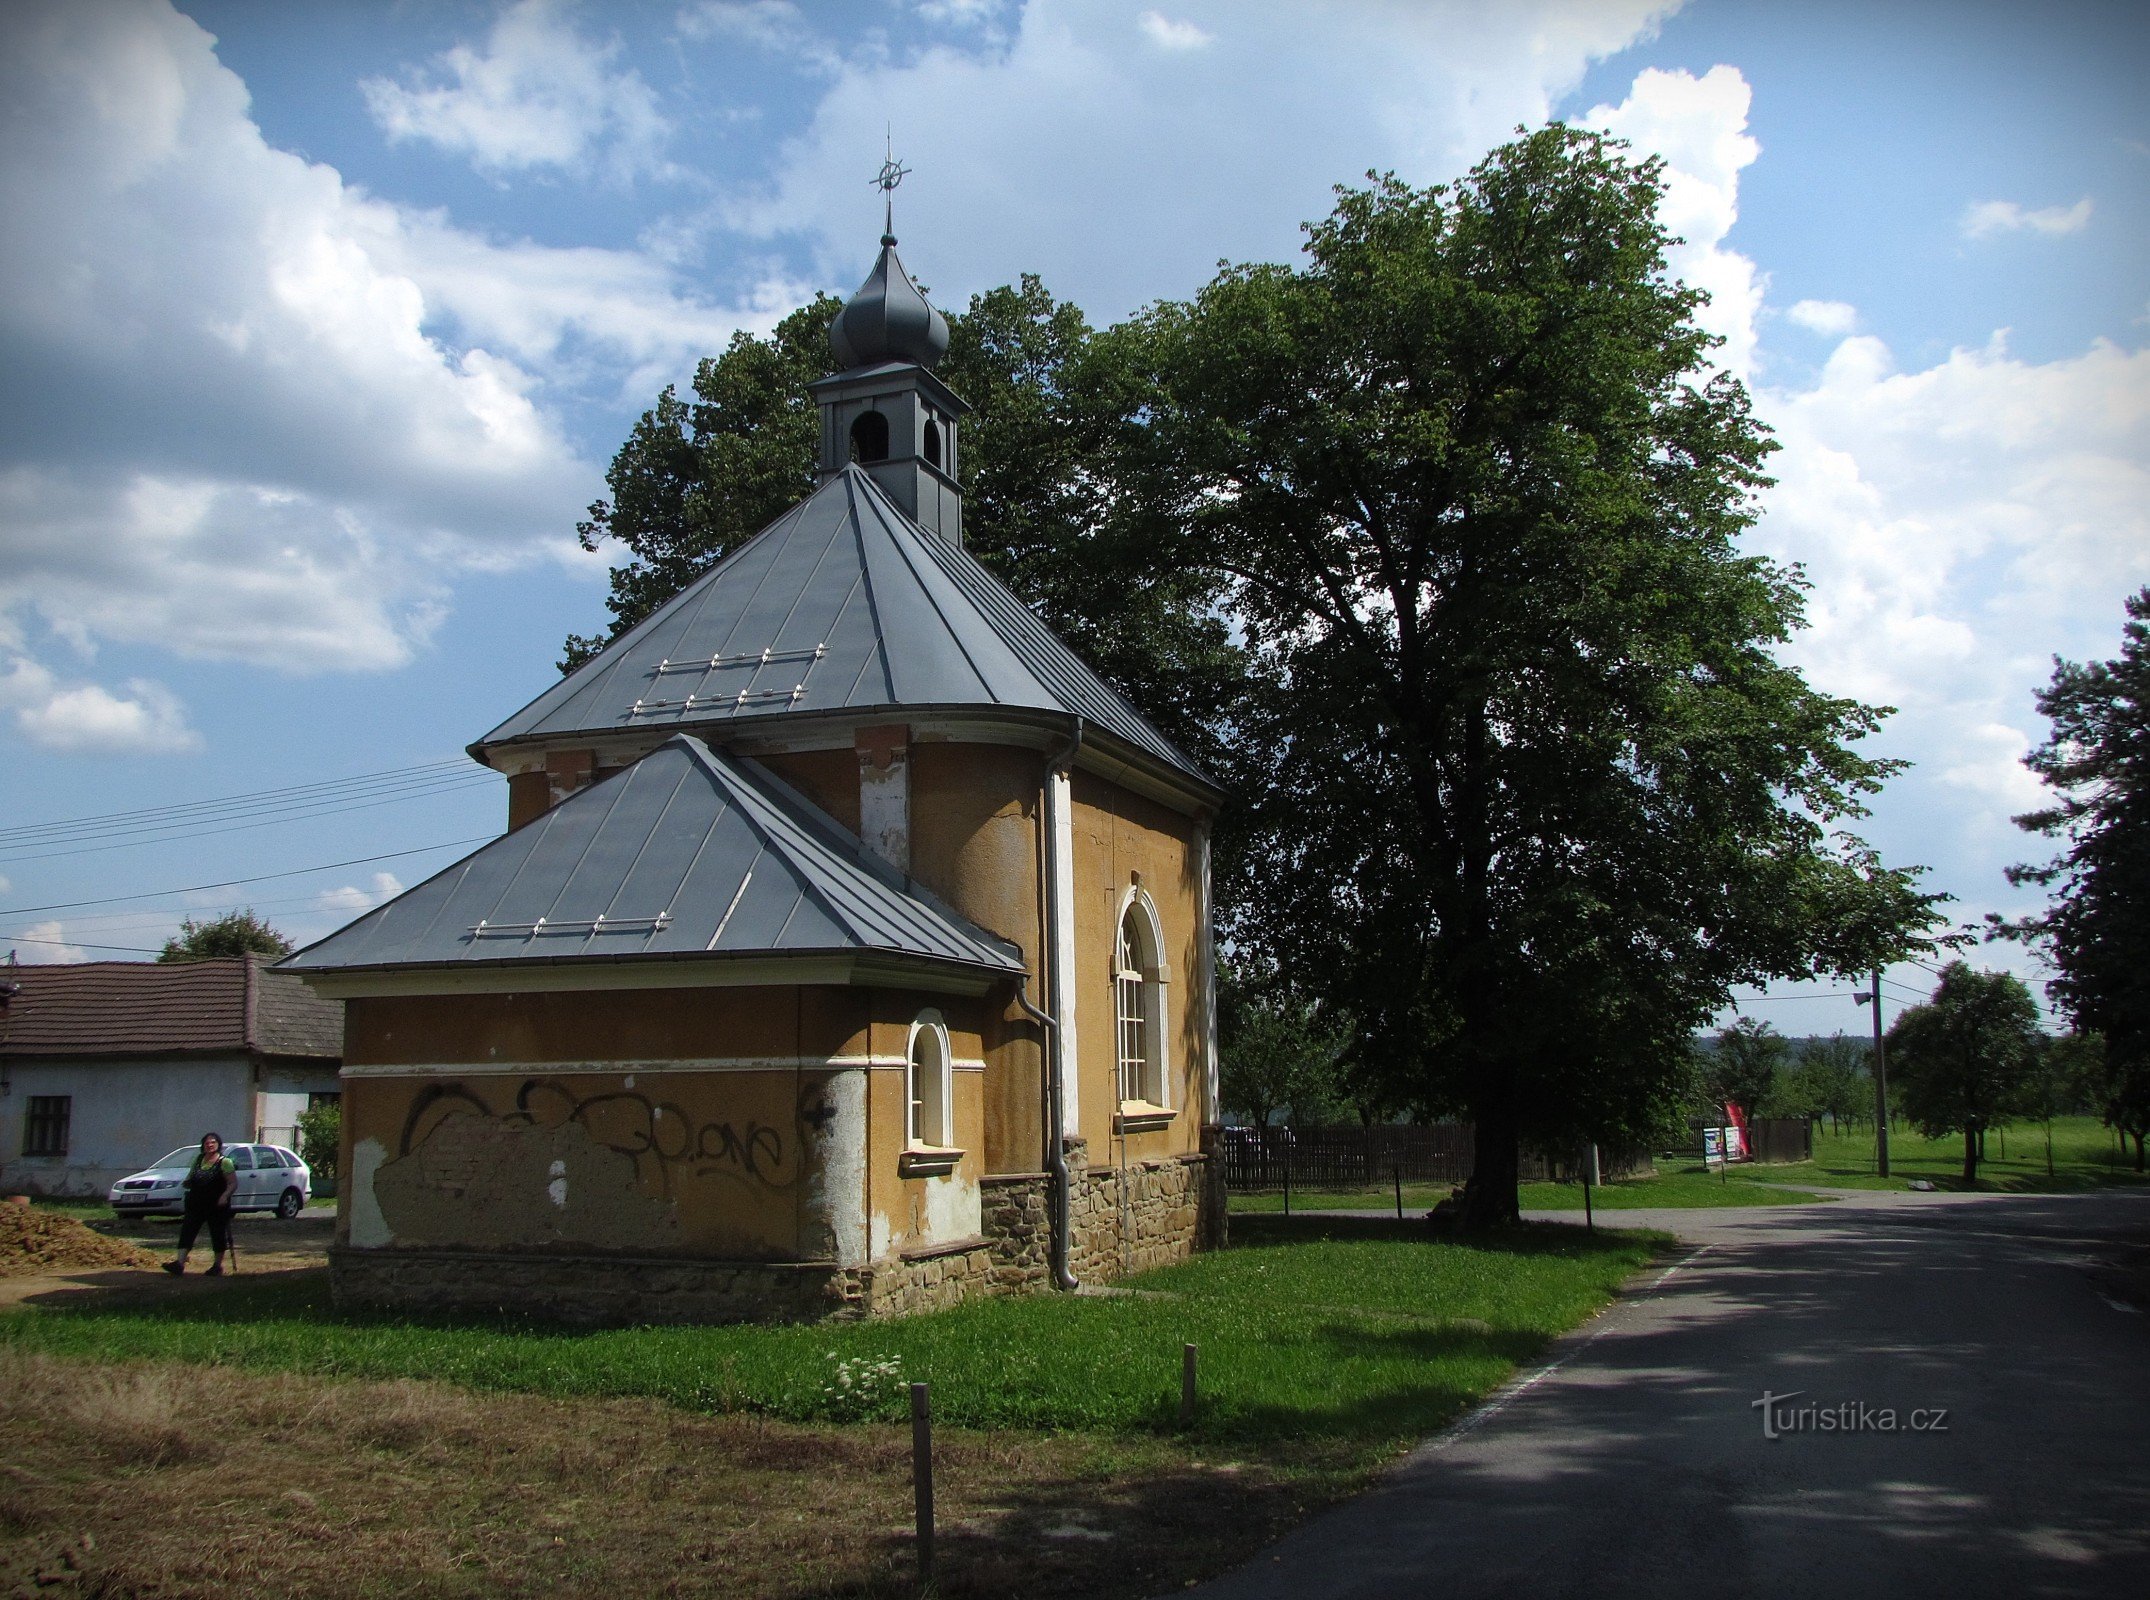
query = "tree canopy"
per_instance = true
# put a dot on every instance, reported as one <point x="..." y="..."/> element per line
<point x="1965" y="1061"/>
<point x="2096" y="929"/>
<point x="1536" y="788"/>
<point x="236" y="933"/>
<point x="1428" y="548"/>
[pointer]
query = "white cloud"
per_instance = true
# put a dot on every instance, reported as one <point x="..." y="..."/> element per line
<point x="538" y="94"/>
<point x="1167" y="34"/>
<point x="776" y="26"/>
<point x="1959" y="524"/>
<point x="252" y="413"/>
<point x="1986" y="218"/>
<point x="960" y="13"/>
<point x="86" y="718"/>
<point x="44" y="944"/>
<point x="1834" y="318"/>
<point x="1122" y="175"/>
<point x="1699" y="125"/>
<point x="349" y="900"/>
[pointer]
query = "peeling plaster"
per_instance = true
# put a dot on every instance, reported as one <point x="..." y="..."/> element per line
<point x="834" y="1224"/>
<point x="369" y="1229"/>
<point x="474" y="1182"/>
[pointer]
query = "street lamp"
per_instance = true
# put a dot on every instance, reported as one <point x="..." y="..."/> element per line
<point x="1881" y="1078"/>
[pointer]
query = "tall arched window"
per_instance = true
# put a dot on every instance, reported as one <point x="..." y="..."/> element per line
<point x="933" y="445"/>
<point x="869" y="437"/>
<point x="926" y="1081"/>
<point x="1138" y="979"/>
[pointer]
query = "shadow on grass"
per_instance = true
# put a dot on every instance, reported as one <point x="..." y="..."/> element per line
<point x="1571" y="1240"/>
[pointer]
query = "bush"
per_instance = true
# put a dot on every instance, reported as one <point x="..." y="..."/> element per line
<point x="320" y="1138"/>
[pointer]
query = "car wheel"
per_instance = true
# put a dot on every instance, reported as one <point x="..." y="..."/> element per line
<point x="290" y="1204"/>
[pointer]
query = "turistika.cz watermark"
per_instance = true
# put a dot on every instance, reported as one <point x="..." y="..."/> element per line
<point x="1781" y="1417"/>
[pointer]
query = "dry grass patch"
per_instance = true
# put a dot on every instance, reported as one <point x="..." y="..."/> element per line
<point x="167" y="1480"/>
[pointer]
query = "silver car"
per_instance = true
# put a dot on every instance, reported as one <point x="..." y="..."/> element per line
<point x="271" y="1178"/>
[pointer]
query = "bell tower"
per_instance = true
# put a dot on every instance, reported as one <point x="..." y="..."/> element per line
<point x="885" y="410"/>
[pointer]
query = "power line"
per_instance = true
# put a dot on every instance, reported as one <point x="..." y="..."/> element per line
<point x="80" y="944"/>
<point x="231" y="883"/>
<point x="239" y="827"/>
<point x="177" y="820"/>
<point x="181" y="808"/>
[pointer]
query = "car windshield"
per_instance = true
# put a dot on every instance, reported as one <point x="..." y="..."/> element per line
<point x="182" y="1157"/>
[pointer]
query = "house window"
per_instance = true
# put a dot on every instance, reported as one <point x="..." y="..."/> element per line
<point x="926" y="1079"/>
<point x="933" y="445"/>
<point x="44" y="1124"/>
<point x="869" y="437"/>
<point x="1138" y="978"/>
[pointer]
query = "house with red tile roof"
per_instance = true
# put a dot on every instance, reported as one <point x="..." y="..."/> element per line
<point x="106" y="1065"/>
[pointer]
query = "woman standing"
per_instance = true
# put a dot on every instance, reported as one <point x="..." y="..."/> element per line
<point x="210" y="1183"/>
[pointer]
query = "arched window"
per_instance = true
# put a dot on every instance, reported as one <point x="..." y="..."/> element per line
<point x="1138" y="983"/>
<point x="926" y="1081"/>
<point x="933" y="445"/>
<point x="869" y="437"/>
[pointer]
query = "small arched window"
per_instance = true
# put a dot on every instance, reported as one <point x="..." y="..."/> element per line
<point x="933" y="445"/>
<point x="926" y="1081"/>
<point x="1138" y="984"/>
<point x="869" y="437"/>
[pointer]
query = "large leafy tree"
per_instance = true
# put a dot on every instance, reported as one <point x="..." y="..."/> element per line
<point x="1279" y="1052"/>
<point x="1744" y="1065"/>
<point x="236" y="933"/>
<point x="1049" y="450"/>
<point x="2096" y="930"/>
<point x="1536" y="790"/>
<point x="1968" y="1059"/>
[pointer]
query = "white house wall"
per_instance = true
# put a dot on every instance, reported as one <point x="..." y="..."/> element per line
<point x="124" y="1115"/>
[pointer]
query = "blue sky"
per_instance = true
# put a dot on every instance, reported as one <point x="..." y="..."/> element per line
<point x="319" y="324"/>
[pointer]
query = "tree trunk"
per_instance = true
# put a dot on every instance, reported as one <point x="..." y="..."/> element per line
<point x="2138" y="1152"/>
<point x="1489" y="1197"/>
<point x="1970" y="1155"/>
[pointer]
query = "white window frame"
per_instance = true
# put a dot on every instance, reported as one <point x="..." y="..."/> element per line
<point x="1149" y="1083"/>
<point x="929" y="1106"/>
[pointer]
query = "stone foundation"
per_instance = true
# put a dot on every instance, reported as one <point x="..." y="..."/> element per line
<point x="1150" y="1215"/>
<point x="625" y="1291"/>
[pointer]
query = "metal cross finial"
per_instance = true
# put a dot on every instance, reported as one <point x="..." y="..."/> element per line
<point x="892" y="173"/>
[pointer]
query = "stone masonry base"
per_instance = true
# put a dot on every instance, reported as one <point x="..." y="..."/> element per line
<point x="1125" y="1221"/>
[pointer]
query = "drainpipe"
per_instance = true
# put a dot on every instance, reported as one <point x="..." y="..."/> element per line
<point x="1056" y="1155"/>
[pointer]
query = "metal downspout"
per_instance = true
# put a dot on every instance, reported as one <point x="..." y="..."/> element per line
<point x="1056" y="1155"/>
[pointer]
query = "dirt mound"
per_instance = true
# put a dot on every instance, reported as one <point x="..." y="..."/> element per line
<point x="34" y="1242"/>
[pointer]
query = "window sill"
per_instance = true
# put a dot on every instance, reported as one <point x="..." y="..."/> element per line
<point x="1139" y="1116"/>
<point x="927" y="1161"/>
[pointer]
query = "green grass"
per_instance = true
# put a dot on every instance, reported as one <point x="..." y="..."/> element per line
<point x="1344" y="1336"/>
<point x="1682" y="1187"/>
<point x="2084" y="1157"/>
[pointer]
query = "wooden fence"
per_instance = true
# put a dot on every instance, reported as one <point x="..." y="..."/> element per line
<point x="1351" y="1157"/>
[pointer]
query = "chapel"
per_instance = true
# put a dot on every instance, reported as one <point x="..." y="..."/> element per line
<point x="848" y="952"/>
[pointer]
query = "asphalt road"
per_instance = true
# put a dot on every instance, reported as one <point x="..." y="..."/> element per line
<point x="1634" y="1462"/>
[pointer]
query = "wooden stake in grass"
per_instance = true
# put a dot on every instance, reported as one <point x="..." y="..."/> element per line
<point x="922" y="1479"/>
<point x="1187" y="1385"/>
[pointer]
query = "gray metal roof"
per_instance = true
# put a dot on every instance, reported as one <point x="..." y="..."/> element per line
<point x="688" y="852"/>
<point x="842" y="603"/>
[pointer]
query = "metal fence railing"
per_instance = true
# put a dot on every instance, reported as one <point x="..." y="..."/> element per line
<point x="1258" y="1159"/>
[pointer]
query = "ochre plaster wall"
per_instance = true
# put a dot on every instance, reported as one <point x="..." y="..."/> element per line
<point x="1121" y="839"/>
<point x="974" y="843"/>
<point x="829" y="778"/>
<point x="561" y="1121"/>
<point x="907" y="1213"/>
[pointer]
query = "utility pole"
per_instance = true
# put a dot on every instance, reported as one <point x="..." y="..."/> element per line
<point x="1881" y="1081"/>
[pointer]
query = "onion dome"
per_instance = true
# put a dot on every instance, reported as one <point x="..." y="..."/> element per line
<point x="888" y="319"/>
